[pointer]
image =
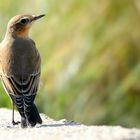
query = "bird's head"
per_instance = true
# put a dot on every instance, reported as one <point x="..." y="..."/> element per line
<point x="19" y="25"/>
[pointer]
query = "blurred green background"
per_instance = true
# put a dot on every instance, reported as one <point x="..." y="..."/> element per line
<point x="90" y="53"/>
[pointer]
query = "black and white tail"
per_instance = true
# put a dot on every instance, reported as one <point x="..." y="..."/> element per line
<point x="23" y="94"/>
<point x="31" y="111"/>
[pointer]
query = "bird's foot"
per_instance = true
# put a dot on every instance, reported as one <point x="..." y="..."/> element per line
<point x="15" y="123"/>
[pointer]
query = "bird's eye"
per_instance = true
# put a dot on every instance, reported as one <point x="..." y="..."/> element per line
<point x="24" y="21"/>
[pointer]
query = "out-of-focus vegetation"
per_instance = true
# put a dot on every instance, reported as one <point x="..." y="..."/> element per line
<point x="90" y="58"/>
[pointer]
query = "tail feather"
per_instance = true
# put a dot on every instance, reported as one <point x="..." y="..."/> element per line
<point x="27" y="109"/>
<point x="33" y="116"/>
<point x="31" y="111"/>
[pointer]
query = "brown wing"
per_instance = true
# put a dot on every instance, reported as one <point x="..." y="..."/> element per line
<point x="20" y="75"/>
<point x="15" y="87"/>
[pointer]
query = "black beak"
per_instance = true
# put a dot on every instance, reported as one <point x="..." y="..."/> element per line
<point x="37" y="17"/>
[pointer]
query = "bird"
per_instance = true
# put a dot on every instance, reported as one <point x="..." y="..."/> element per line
<point x="20" y="68"/>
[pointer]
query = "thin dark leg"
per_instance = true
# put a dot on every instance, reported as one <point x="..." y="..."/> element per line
<point x="18" y="101"/>
<point x="13" y="121"/>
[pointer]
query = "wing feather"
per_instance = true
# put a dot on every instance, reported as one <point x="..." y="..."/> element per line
<point x="20" y="78"/>
<point x="20" y="88"/>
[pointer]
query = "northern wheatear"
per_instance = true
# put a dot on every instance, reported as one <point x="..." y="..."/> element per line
<point x="20" y="68"/>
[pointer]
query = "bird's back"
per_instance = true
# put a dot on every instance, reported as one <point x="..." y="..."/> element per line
<point x="20" y="58"/>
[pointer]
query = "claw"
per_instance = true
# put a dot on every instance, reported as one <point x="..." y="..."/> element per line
<point x="15" y="123"/>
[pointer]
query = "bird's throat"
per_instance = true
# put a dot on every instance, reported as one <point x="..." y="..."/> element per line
<point x="23" y="34"/>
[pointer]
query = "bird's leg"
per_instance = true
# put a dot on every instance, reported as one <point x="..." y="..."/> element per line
<point x="18" y="101"/>
<point x="13" y="121"/>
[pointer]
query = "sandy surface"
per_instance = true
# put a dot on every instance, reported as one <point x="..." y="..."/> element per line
<point x="62" y="130"/>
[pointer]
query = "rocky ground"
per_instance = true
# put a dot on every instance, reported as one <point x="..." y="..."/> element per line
<point x="62" y="130"/>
